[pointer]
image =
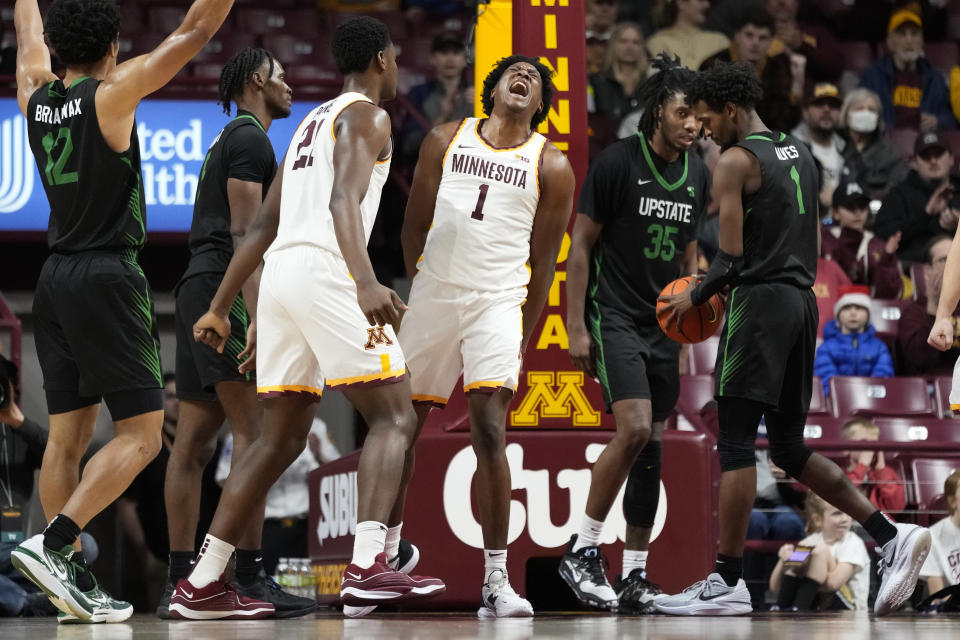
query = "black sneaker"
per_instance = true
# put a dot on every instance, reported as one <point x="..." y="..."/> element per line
<point x="163" y="607"/>
<point x="286" y="604"/>
<point x="583" y="572"/>
<point x="636" y="594"/>
<point x="407" y="557"/>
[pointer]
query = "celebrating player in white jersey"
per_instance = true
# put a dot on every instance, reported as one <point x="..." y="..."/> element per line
<point x="498" y="197"/>
<point x="323" y="319"/>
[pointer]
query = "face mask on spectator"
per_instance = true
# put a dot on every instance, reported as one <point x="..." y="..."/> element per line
<point x="864" y="120"/>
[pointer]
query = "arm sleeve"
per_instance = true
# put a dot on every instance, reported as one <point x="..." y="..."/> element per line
<point x="250" y="155"/>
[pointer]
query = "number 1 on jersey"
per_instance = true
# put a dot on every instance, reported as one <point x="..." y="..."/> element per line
<point x="478" y="210"/>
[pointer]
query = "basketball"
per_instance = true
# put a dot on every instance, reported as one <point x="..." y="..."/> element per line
<point x="698" y="323"/>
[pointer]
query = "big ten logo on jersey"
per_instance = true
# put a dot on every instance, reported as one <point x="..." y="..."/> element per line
<point x="375" y="336"/>
<point x="168" y="180"/>
<point x="787" y="153"/>
<point x="338" y="506"/>
<point x="544" y="488"/>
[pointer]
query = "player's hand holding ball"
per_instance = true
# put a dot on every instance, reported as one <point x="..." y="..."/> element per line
<point x="680" y="319"/>
<point x="212" y="330"/>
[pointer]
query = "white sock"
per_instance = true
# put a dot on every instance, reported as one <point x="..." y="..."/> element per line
<point x="368" y="541"/>
<point x="212" y="561"/>
<point x="633" y="560"/>
<point x="392" y="545"/>
<point x="589" y="535"/>
<point x="493" y="560"/>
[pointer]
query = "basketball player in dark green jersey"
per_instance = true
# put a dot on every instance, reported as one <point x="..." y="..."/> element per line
<point x="635" y="232"/>
<point x="95" y="330"/>
<point x="766" y="187"/>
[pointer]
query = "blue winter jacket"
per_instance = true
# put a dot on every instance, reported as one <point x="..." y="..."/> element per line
<point x="935" y="98"/>
<point x="851" y="354"/>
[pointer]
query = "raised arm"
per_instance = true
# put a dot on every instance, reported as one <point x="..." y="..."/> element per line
<point x="362" y="133"/>
<point x="423" y="194"/>
<point x="553" y="214"/>
<point x="130" y="82"/>
<point x="33" y="57"/>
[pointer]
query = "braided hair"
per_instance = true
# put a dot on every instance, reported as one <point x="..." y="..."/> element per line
<point x="672" y="79"/>
<point x="237" y="73"/>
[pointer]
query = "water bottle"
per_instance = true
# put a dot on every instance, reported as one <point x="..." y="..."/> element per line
<point x="283" y="573"/>
<point x="310" y="580"/>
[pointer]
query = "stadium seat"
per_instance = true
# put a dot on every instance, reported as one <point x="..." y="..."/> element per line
<point x="823" y="427"/>
<point x="885" y="318"/>
<point x="703" y="355"/>
<point x="165" y="19"/>
<point x="941" y="396"/>
<point x="928" y="478"/>
<point x="818" y="402"/>
<point x="932" y="430"/>
<point x="223" y="45"/>
<point x="942" y="55"/>
<point x="415" y="52"/>
<point x="291" y="50"/>
<point x="695" y="392"/>
<point x="857" y="55"/>
<point x="301" y="22"/>
<point x="131" y="17"/>
<point x="858" y="396"/>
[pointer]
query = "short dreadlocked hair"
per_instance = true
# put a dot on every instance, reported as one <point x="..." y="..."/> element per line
<point x="546" y="84"/>
<point x="357" y="42"/>
<point x="81" y="31"/>
<point x="726" y="82"/>
<point x="671" y="80"/>
<point x="238" y="71"/>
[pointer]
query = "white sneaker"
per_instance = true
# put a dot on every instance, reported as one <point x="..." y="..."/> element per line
<point x="710" y="597"/>
<point x="899" y="566"/>
<point x="500" y="600"/>
<point x="405" y="561"/>
<point x="583" y="572"/>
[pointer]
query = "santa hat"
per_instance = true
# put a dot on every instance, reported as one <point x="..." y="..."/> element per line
<point x="857" y="295"/>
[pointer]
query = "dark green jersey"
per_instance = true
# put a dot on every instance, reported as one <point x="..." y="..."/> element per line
<point x="241" y="151"/>
<point x="780" y="223"/>
<point x="95" y="194"/>
<point x="649" y="210"/>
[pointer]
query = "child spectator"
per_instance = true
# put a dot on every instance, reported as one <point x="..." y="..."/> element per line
<point x="850" y="343"/>
<point x="865" y="258"/>
<point x="831" y="280"/>
<point x="942" y="567"/>
<point x="835" y="575"/>
<point x="868" y="470"/>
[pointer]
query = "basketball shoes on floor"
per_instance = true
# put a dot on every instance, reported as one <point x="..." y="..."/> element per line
<point x="710" y="597"/>
<point x="266" y="589"/>
<point x="381" y="584"/>
<point x="900" y="563"/>
<point x="163" y="607"/>
<point x="55" y="574"/>
<point x="500" y="600"/>
<point x="405" y="561"/>
<point x="583" y="572"/>
<point x="106" y="607"/>
<point x="635" y="594"/>
<point x="218" y="600"/>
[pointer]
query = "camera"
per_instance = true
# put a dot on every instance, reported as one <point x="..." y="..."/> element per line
<point x="8" y="373"/>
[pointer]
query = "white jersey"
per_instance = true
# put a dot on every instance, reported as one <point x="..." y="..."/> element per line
<point x="305" y="217"/>
<point x="944" y="558"/>
<point x="486" y="203"/>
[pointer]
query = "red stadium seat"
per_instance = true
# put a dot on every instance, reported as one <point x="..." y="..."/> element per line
<point x="885" y="318"/>
<point x="165" y="19"/>
<point x="928" y="479"/>
<point x="857" y="56"/>
<point x="942" y="55"/>
<point x="291" y="50"/>
<point x="822" y="427"/>
<point x="703" y="355"/>
<point x="301" y="22"/>
<point x="932" y="430"/>
<point x="131" y="17"/>
<point x="223" y="45"/>
<point x="941" y="396"/>
<point x="415" y="52"/>
<point x="857" y="396"/>
<point x="818" y="402"/>
<point x="695" y="392"/>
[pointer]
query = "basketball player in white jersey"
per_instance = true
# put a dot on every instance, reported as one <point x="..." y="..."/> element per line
<point x="489" y="204"/>
<point x="323" y="320"/>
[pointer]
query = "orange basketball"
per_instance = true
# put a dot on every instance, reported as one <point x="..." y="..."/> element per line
<point x="698" y="323"/>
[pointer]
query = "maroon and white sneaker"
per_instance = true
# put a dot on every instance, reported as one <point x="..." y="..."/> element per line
<point x="424" y="586"/>
<point x="218" y="600"/>
<point x="377" y="584"/>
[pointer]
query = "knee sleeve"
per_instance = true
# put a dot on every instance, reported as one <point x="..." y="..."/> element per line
<point x="787" y="449"/>
<point x="642" y="495"/>
<point x="739" y="419"/>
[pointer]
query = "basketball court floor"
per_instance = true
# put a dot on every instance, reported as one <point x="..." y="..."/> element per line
<point x="447" y="626"/>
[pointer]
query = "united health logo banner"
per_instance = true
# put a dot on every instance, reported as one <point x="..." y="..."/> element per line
<point x="174" y="138"/>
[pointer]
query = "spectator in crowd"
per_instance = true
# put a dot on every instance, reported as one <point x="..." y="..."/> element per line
<point x="448" y="97"/>
<point x="835" y="575"/>
<point x="868" y="470"/>
<point x="818" y="130"/>
<point x="925" y="204"/>
<point x="850" y="343"/>
<point x="683" y="34"/>
<point x="942" y="567"/>
<point x="824" y="60"/>
<point x="616" y="88"/>
<point x="870" y="158"/>
<point x="285" y="518"/>
<point x="596" y="50"/>
<point x="23" y="441"/>
<point x="913" y="93"/>
<point x="782" y="80"/>
<point x="865" y="258"/>
<point x="601" y="16"/>
<point x="914" y="356"/>
<point x="830" y="280"/>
